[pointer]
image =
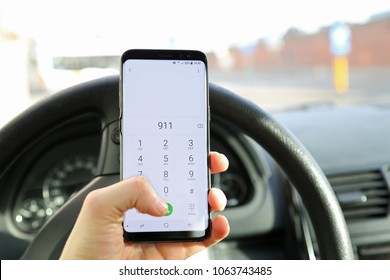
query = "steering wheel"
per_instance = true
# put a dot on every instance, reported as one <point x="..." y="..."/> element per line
<point x="101" y="97"/>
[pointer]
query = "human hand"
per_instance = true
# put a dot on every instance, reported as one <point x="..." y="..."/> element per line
<point x="98" y="232"/>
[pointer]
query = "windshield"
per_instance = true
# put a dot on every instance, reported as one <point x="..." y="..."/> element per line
<point x="280" y="54"/>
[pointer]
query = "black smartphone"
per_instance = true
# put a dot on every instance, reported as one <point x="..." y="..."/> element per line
<point x="165" y="137"/>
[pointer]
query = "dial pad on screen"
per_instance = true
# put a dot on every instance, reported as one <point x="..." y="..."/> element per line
<point x="171" y="154"/>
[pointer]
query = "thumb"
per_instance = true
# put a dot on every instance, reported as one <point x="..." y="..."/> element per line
<point x="135" y="192"/>
<point x="101" y="217"/>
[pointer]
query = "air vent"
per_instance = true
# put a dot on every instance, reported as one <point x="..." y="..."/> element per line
<point x="362" y="195"/>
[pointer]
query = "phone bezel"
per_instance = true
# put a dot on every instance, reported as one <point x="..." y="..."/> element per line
<point x="154" y="54"/>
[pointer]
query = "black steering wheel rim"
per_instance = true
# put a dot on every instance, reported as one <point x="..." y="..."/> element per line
<point x="101" y="97"/>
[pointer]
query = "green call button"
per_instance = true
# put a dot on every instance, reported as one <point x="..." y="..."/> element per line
<point x="170" y="209"/>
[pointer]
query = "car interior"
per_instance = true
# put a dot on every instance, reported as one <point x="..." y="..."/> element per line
<point x="308" y="175"/>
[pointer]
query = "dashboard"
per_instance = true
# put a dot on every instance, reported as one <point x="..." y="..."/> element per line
<point x="48" y="174"/>
<point x="266" y="215"/>
<point x="59" y="164"/>
<point x="54" y="178"/>
<point x="351" y="144"/>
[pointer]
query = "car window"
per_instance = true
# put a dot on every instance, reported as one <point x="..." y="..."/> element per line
<point x="280" y="54"/>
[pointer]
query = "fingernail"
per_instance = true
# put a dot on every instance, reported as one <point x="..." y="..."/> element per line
<point x="161" y="205"/>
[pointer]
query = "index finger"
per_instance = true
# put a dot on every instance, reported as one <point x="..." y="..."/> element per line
<point x="218" y="162"/>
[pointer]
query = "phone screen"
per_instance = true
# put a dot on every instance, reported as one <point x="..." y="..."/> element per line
<point x="165" y="128"/>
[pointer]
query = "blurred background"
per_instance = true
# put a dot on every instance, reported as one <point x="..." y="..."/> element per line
<point x="280" y="54"/>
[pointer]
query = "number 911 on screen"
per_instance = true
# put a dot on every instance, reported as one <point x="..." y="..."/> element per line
<point x="166" y="126"/>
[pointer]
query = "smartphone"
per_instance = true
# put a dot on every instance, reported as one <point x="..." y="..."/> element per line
<point x="165" y="137"/>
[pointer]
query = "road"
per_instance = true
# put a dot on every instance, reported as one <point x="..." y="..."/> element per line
<point x="276" y="90"/>
<point x="273" y="90"/>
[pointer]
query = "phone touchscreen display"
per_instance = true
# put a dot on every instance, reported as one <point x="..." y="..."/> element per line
<point x="165" y="138"/>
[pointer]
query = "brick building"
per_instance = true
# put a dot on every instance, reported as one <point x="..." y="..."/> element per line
<point x="370" y="48"/>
